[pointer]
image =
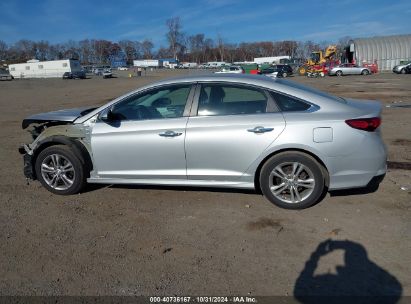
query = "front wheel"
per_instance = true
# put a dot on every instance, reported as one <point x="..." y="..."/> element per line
<point x="292" y="180"/>
<point x="365" y="72"/>
<point x="339" y="73"/>
<point x="403" y="71"/>
<point x="60" y="171"/>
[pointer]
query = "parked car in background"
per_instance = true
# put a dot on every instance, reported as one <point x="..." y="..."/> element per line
<point x="5" y="75"/>
<point x="222" y="130"/>
<point x="74" y="75"/>
<point x="349" y="69"/>
<point x="98" y="71"/>
<point x="107" y="73"/>
<point x="189" y="65"/>
<point x="278" y="70"/>
<point x="402" y="69"/>
<point x="122" y="68"/>
<point x="233" y="69"/>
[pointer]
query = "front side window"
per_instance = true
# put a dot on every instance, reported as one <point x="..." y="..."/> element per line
<point x="164" y="102"/>
<point x="289" y="104"/>
<point x="218" y="99"/>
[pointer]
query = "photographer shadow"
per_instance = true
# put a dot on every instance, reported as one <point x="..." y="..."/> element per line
<point x="358" y="281"/>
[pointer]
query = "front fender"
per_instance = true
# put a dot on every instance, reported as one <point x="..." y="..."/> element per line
<point x="75" y="136"/>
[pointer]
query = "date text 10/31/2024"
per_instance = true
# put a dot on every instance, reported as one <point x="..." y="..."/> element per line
<point x="203" y="299"/>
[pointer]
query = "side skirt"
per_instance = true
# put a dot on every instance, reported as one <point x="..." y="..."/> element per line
<point x="172" y="182"/>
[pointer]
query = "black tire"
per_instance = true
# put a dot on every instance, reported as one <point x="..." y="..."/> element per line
<point x="339" y="73"/>
<point x="285" y="75"/>
<point x="403" y="71"/>
<point x="289" y="157"/>
<point x="79" y="180"/>
<point x="365" y="72"/>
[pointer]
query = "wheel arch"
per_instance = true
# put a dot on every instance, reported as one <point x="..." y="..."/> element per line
<point x="77" y="147"/>
<point x="318" y="159"/>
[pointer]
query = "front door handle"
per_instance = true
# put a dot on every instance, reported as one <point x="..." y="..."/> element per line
<point x="260" y="129"/>
<point x="169" y="133"/>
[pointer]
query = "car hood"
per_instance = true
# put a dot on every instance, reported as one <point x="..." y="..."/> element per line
<point x="67" y="115"/>
<point x="400" y="66"/>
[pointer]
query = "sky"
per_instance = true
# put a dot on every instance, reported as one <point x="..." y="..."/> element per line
<point x="234" y="20"/>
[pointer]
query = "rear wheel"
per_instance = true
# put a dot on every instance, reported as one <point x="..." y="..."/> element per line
<point x="285" y="74"/>
<point x="339" y="73"/>
<point x="60" y="171"/>
<point x="292" y="180"/>
<point x="365" y="72"/>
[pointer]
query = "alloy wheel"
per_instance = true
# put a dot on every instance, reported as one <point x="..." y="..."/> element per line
<point x="291" y="182"/>
<point x="58" y="172"/>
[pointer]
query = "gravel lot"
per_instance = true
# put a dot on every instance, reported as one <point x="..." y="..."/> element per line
<point x="117" y="240"/>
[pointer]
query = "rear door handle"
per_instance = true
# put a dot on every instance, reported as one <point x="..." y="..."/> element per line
<point x="260" y="129"/>
<point x="169" y="133"/>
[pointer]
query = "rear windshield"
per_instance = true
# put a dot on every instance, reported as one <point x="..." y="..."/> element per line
<point x="296" y="85"/>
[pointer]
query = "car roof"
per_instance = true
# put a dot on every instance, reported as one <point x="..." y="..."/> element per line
<point x="281" y="85"/>
<point x="239" y="78"/>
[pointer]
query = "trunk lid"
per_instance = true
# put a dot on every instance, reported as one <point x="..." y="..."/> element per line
<point x="364" y="108"/>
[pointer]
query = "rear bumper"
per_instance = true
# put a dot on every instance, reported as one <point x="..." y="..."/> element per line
<point x="368" y="164"/>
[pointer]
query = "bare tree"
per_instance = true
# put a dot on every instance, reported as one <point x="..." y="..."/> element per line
<point x="220" y="46"/>
<point x="131" y="49"/>
<point x="42" y="50"/>
<point x="3" y="50"/>
<point x="86" y="51"/>
<point x="147" y="47"/>
<point x="174" y="35"/>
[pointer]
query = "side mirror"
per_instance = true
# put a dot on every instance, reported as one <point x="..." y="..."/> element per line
<point x="107" y="115"/>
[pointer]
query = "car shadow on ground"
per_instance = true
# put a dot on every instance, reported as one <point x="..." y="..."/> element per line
<point x="359" y="280"/>
<point x="93" y="187"/>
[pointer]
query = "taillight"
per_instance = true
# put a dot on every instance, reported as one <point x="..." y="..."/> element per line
<point x="365" y="124"/>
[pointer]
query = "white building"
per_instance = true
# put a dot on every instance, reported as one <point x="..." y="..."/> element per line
<point x="44" y="69"/>
<point x="386" y="51"/>
<point x="148" y="63"/>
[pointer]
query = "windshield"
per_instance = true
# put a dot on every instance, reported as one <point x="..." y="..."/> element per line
<point x="315" y="56"/>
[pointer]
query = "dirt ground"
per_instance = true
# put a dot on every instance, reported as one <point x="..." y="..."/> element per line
<point x="117" y="240"/>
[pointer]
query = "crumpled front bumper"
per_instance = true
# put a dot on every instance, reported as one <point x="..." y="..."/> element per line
<point x="28" y="168"/>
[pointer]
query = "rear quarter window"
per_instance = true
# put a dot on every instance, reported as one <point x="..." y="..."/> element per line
<point x="299" y="86"/>
<point x="289" y="104"/>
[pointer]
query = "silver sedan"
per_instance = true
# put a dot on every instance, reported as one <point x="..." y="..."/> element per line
<point x="237" y="131"/>
<point x="349" y="69"/>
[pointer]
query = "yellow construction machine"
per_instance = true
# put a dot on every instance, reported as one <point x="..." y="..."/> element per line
<point x="318" y="58"/>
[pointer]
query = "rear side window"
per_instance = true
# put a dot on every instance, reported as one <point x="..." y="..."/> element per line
<point x="218" y="99"/>
<point x="289" y="104"/>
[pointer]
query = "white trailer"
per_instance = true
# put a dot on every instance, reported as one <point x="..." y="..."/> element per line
<point x="216" y="64"/>
<point x="275" y="59"/>
<point x="189" y="65"/>
<point x="44" y="69"/>
<point x="147" y="63"/>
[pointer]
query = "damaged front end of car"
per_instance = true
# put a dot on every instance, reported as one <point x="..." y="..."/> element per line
<point x="56" y="128"/>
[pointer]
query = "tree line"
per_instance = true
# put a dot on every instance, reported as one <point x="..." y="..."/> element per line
<point x="190" y="48"/>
